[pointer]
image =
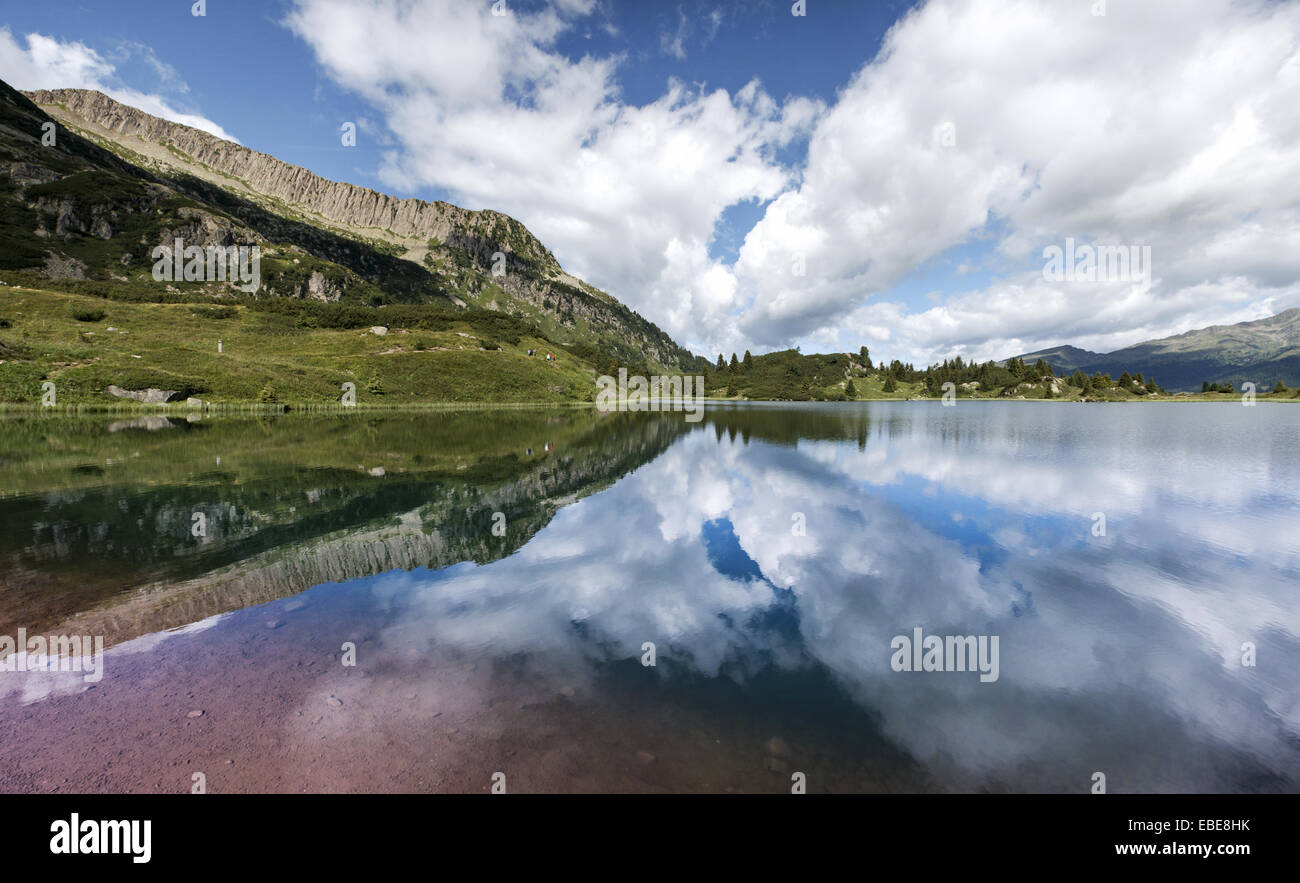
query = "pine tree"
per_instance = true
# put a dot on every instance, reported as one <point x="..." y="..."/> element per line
<point x="890" y="386"/>
<point x="1281" y="387"/>
<point x="852" y="391"/>
<point x="722" y="365"/>
<point x="748" y="361"/>
<point x="734" y="364"/>
<point x="1205" y="386"/>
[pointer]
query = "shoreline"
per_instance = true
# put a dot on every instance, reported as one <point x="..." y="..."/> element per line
<point x="242" y="408"/>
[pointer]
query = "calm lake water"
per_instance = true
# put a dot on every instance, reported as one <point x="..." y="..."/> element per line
<point x="498" y="579"/>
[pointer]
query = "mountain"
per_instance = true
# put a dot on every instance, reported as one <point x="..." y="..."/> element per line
<point x="1067" y="358"/>
<point x="1262" y="352"/>
<point x="118" y="181"/>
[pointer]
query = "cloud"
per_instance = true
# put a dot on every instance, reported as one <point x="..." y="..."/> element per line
<point x="485" y="108"/>
<point x="674" y="42"/>
<point x="48" y="63"/>
<point x="991" y="128"/>
<point x="1173" y="126"/>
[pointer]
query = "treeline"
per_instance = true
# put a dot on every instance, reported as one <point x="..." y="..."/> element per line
<point x="1207" y="386"/>
<point x="792" y="376"/>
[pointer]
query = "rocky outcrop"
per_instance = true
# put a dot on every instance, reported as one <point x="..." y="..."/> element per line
<point x="150" y="396"/>
<point x="343" y="204"/>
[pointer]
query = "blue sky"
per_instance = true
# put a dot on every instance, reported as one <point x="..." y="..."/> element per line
<point x="749" y="178"/>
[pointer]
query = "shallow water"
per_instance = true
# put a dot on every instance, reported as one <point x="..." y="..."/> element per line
<point x="771" y="554"/>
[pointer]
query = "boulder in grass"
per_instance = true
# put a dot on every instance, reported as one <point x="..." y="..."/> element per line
<point x="150" y="396"/>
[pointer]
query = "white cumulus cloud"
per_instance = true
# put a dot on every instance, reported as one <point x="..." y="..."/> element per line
<point x="49" y="63"/>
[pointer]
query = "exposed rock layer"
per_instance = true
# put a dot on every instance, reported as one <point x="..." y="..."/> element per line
<point x="344" y="204"/>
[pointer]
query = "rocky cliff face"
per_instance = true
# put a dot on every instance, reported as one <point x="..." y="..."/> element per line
<point x="347" y="205"/>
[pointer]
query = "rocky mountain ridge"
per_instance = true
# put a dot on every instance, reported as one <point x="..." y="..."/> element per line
<point x="336" y="241"/>
<point x="354" y="208"/>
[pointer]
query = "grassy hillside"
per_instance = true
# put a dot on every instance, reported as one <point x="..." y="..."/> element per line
<point x="84" y="343"/>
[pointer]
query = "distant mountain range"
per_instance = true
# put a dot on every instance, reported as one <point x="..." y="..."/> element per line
<point x="1263" y="352"/>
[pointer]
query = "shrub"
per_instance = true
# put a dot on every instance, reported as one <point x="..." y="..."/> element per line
<point x="88" y="315"/>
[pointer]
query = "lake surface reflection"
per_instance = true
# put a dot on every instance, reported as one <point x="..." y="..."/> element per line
<point x="501" y="576"/>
